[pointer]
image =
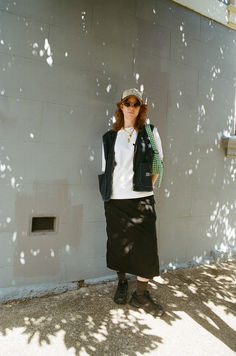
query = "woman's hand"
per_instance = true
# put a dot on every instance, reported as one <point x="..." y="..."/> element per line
<point x="154" y="178"/>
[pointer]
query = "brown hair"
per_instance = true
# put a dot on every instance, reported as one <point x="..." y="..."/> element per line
<point x="140" y="120"/>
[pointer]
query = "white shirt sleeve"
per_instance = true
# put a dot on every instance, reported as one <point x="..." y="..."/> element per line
<point x="103" y="160"/>
<point x="158" y="142"/>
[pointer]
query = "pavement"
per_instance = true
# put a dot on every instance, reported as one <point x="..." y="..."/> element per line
<point x="199" y="319"/>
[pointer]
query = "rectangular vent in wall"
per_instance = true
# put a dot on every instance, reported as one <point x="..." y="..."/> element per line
<point x="43" y="224"/>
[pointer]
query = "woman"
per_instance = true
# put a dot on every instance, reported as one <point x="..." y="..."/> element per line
<point x="127" y="190"/>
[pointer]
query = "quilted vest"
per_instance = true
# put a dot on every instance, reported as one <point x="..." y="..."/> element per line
<point x="142" y="163"/>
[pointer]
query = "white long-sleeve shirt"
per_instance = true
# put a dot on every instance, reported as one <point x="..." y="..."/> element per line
<point x="123" y="171"/>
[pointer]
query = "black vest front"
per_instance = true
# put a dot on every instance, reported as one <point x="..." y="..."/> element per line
<point x="142" y="163"/>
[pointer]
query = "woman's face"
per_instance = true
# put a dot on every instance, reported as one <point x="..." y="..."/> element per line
<point x="131" y="111"/>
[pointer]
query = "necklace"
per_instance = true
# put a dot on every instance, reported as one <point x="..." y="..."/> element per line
<point x="129" y="133"/>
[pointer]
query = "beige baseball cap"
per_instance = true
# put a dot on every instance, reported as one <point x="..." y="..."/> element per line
<point x="134" y="92"/>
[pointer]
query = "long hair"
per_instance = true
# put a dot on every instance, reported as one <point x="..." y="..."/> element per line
<point x="139" y="122"/>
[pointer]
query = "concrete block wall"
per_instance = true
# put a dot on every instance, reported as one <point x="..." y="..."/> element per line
<point x="63" y="66"/>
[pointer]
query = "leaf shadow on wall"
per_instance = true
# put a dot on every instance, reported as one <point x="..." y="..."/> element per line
<point x="40" y="254"/>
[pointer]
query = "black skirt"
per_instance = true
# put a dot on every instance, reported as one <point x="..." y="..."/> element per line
<point x="131" y="232"/>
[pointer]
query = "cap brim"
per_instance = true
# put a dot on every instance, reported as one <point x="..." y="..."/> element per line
<point x="132" y="95"/>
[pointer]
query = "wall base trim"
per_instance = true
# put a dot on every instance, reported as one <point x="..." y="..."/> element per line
<point x="40" y="290"/>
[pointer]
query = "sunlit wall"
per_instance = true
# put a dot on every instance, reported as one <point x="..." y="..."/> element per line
<point x="63" y="65"/>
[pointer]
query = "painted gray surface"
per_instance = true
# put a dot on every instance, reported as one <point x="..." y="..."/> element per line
<point x="63" y="65"/>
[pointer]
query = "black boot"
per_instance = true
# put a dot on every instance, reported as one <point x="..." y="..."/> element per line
<point x="145" y="302"/>
<point x="121" y="293"/>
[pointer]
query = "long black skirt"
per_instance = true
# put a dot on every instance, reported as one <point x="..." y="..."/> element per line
<point x="131" y="232"/>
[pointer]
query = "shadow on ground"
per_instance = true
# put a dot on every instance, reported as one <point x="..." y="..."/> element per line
<point x="90" y="322"/>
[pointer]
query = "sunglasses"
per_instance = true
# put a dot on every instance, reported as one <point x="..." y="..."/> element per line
<point x="127" y="104"/>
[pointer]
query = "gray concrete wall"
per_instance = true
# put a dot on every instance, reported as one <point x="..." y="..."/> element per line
<point x="63" y="65"/>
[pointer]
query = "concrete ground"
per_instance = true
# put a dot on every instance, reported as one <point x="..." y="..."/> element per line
<point x="199" y="319"/>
